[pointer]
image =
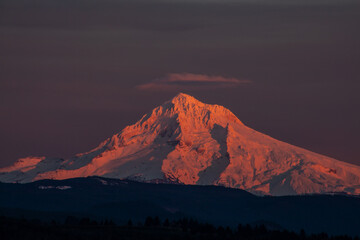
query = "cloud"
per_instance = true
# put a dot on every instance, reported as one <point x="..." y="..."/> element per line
<point x="178" y="81"/>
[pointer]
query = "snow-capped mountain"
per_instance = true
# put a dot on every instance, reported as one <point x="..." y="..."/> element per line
<point x="187" y="141"/>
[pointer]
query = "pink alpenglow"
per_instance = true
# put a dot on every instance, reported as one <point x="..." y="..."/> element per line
<point x="190" y="142"/>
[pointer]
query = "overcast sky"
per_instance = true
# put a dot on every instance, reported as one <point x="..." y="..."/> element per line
<point x="72" y="73"/>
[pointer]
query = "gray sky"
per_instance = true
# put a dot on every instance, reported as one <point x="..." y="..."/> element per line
<point x="71" y="71"/>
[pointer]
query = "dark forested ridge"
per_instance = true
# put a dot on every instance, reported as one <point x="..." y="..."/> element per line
<point x="121" y="200"/>
<point x="151" y="228"/>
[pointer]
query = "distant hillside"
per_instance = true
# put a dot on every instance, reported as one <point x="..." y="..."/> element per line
<point x="102" y="198"/>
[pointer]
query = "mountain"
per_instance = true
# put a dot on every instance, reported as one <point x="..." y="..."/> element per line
<point x="121" y="200"/>
<point x="189" y="142"/>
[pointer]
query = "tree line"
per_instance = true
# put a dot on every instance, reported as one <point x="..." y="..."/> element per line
<point x="151" y="228"/>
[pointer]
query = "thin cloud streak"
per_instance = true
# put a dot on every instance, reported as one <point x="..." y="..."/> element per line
<point x="186" y="81"/>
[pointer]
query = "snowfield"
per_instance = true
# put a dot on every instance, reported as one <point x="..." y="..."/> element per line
<point x="188" y="142"/>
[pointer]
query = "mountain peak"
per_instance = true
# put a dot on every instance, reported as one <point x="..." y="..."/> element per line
<point x="185" y="99"/>
<point x="184" y="96"/>
<point x="187" y="141"/>
<point x="188" y="109"/>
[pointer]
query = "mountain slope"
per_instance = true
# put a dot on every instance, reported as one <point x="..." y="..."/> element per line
<point x="187" y="141"/>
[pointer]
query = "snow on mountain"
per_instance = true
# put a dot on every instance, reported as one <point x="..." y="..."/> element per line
<point x="187" y="141"/>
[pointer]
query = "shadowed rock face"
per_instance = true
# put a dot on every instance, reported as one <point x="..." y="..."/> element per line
<point x="187" y="141"/>
<point x="220" y="161"/>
